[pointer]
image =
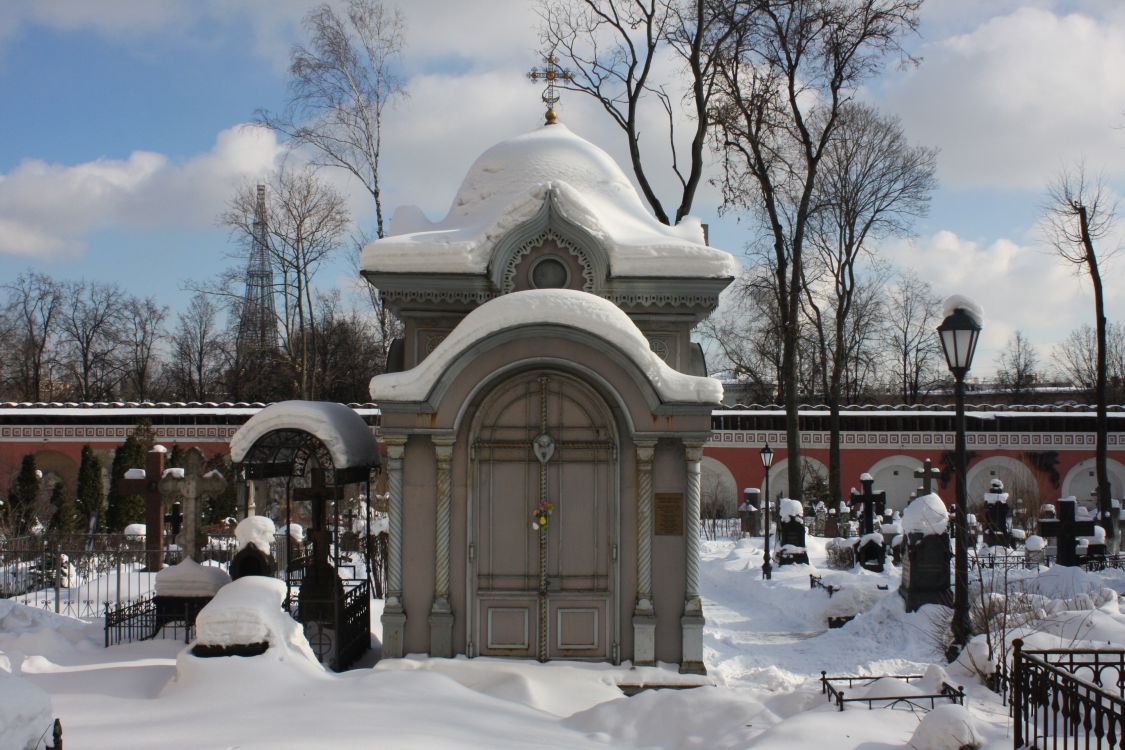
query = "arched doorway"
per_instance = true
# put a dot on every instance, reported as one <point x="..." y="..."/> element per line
<point x="894" y="475"/>
<point x="1082" y="480"/>
<point x="550" y="594"/>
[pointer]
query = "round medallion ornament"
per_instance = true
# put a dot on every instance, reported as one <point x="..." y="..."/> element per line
<point x="550" y="273"/>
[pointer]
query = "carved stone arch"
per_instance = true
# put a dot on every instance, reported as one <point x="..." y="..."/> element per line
<point x="549" y="223"/>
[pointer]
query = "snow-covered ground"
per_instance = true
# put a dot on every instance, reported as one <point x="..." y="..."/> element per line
<point x="765" y="645"/>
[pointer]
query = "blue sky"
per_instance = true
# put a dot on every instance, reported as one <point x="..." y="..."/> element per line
<point x="122" y="135"/>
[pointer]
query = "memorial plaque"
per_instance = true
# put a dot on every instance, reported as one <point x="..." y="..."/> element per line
<point x="669" y="515"/>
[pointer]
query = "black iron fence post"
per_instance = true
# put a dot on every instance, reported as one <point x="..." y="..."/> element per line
<point x="1016" y="675"/>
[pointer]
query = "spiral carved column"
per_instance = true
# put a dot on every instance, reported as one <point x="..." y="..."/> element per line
<point x="691" y="623"/>
<point x="644" y="620"/>
<point x="441" y="611"/>
<point x="394" y="616"/>
<point x="694" y="454"/>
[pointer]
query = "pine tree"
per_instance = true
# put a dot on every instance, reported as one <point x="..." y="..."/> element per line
<point x="65" y="519"/>
<point x="175" y="457"/>
<point x="91" y="493"/>
<point x="25" y="490"/>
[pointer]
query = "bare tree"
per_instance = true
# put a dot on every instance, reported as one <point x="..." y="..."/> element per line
<point x="612" y="49"/>
<point x="198" y="356"/>
<point x="1018" y="368"/>
<point x="307" y="221"/>
<point x="746" y="337"/>
<point x="1080" y="213"/>
<point x="32" y="318"/>
<point x="909" y="341"/>
<point x="1076" y="359"/>
<point x="348" y="353"/>
<point x="786" y="71"/>
<point x="873" y="183"/>
<point x="143" y="328"/>
<point x="90" y="334"/>
<point x="339" y="87"/>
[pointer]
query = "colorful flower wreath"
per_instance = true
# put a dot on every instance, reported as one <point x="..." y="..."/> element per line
<point x="541" y="516"/>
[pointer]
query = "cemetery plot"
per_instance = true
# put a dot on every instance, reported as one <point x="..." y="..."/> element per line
<point x="889" y="691"/>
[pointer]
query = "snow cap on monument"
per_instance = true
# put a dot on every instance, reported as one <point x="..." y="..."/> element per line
<point x="507" y="186"/>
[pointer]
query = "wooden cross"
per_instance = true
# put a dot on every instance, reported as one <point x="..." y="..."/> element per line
<point x="927" y="473"/>
<point x="146" y="483"/>
<point x="1066" y="530"/>
<point x="551" y="73"/>
<point x="870" y="499"/>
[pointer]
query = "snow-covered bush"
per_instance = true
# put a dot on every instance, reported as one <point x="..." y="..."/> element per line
<point x="949" y="727"/>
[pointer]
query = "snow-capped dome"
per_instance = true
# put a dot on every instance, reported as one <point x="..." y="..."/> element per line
<point x="507" y="186"/>
<point x="507" y="172"/>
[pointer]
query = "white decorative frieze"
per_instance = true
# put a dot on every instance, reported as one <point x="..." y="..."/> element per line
<point x="1079" y="441"/>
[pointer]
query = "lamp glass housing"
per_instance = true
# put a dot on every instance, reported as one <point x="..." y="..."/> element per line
<point x="959" y="333"/>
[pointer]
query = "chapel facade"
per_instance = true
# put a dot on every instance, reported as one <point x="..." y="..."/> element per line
<point x="545" y="414"/>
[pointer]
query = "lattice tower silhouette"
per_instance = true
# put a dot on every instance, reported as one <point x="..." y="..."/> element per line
<point x="257" y="326"/>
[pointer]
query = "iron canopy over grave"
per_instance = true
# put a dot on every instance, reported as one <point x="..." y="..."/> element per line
<point x="321" y="448"/>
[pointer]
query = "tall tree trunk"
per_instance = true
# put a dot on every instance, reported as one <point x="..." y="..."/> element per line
<point x="1100" y="424"/>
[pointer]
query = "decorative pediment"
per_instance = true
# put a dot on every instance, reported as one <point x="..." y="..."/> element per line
<point x="549" y="226"/>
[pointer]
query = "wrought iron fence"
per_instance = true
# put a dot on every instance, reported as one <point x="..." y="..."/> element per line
<point x="720" y="528"/>
<point x="75" y="574"/>
<point x="832" y="688"/>
<point x="147" y="618"/>
<point x="1067" y="698"/>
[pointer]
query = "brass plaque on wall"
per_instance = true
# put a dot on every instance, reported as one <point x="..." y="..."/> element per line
<point x="669" y="513"/>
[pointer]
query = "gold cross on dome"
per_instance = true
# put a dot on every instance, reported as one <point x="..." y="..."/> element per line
<point x="552" y="74"/>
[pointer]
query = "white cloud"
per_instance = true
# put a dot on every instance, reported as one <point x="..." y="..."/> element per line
<point x="1012" y="99"/>
<point x="50" y="210"/>
<point x="1023" y="287"/>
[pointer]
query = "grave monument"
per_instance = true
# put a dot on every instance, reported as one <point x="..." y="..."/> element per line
<point x="544" y="414"/>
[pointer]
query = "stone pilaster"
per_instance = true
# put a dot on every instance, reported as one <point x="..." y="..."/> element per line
<point x="394" y="616"/>
<point x="441" y="611"/>
<point x="644" y="620"/>
<point x="691" y="624"/>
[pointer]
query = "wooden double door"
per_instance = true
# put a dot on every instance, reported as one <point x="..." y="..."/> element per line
<point x="549" y="593"/>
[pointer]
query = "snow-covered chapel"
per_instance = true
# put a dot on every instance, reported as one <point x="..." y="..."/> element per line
<point x="545" y="414"/>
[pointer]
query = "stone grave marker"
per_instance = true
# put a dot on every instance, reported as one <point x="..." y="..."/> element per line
<point x="192" y="485"/>
<point x="748" y="512"/>
<point x="791" y="533"/>
<point x="996" y="513"/>
<point x="1065" y="530"/>
<point x="871" y="551"/>
<point x="925" y="561"/>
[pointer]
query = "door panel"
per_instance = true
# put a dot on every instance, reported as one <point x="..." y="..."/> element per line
<point x="579" y="470"/>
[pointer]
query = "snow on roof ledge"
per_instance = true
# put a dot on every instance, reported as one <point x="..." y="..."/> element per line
<point x="344" y="434"/>
<point x="560" y="307"/>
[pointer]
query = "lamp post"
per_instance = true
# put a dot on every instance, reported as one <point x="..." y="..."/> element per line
<point x="959" y="333"/>
<point x="767" y="459"/>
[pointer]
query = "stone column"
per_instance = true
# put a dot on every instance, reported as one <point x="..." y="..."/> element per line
<point x="644" y="619"/>
<point x="441" y="612"/>
<point x="394" y="616"/>
<point x="691" y="624"/>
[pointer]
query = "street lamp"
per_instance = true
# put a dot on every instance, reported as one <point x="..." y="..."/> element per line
<point x="959" y="333"/>
<point x="767" y="459"/>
